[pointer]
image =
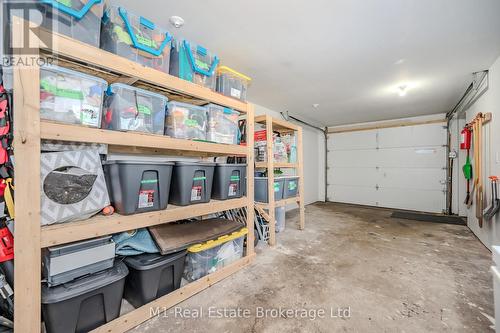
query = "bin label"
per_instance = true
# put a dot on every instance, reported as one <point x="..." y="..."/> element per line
<point x="196" y="193"/>
<point x="146" y="198"/>
<point x="292" y="185"/>
<point x="276" y="187"/>
<point x="235" y="93"/>
<point x="233" y="189"/>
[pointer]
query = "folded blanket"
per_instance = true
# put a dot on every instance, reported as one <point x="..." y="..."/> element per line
<point x="131" y="243"/>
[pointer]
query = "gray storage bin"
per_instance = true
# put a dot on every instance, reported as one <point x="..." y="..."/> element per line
<point x="260" y="189"/>
<point x="138" y="186"/>
<point x="84" y="304"/>
<point x="135" y="37"/>
<point x="229" y="181"/>
<point x="127" y="108"/>
<point x="67" y="262"/>
<point x="290" y="187"/>
<point x="78" y="19"/>
<point x="191" y="183"/>
<point x="71" y="97"/>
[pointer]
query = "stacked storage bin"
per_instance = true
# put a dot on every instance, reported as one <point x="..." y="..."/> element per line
<point x="191" y="183"/>
<point x="229" y="181"/>
<point x="186" y="121"/>
<point x="222" y="124"/>
<point x="232" y="83"/>
<point x="135" y="37"/>
<point x="193" y="63"/>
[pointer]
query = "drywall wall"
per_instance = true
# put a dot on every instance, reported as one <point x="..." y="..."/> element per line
<point x="489" y="234"/>
<point x="314" y="159"/>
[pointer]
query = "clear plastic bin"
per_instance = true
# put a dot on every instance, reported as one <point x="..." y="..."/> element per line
<point x="78" y="19"/>
<point x="205" y="258"/>
<point x="186" y="121"/>
<point x="71" y="97"/>
<point x="232" y="83"/>
<point x="193" y="63"/>
<point x="222" y="124"/>
<point x="135" y="37"/>
<point x="127" y="108"/>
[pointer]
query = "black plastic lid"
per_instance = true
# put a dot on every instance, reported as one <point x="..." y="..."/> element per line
<point x="138" y="162"/>
<point x="231" y="165"/>
<point x="84" y="285"/>
<point x="194" y="163"/>
<point x="143" y="262"/>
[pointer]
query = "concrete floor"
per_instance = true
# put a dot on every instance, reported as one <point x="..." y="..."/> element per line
<point x="391" y="275"/>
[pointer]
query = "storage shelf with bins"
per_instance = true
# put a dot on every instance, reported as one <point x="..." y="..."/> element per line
<point x="29" y="130"/>
<point x="282" y="126"/>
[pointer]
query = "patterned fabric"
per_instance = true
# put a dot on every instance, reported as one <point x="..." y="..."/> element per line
<point x="95" y="201"/>
<point x="55" y="145"/>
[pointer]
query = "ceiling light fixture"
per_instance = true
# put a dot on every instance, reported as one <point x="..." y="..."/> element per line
<point x="402" y="90"/>
<point x="176" y="21"/>
<point x="315" y="105"/>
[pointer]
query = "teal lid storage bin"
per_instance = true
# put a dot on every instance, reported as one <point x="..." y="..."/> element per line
<point x="78" y="19"/>
<point x="193" y="63"/>
<point x="135" y="37"/>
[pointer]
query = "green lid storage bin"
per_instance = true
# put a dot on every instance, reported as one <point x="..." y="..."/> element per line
<point x="127" y="108"/>
<point x="291" y="187"/>
<point x="152" y="276"/>
<point x="191" y="183"/>
<point x="193" y="63"/>
<point x="222" y="124"/>
<point x="229" y="181"/>
<point x="138" y="186"/>
<point x="260" y="188"/>
<point x="135" y="37"/>
<point x="186" y="121"/>
<point x="71" y="97"/>
<point x="78" y="19"/>
<point x="84" y="304"/>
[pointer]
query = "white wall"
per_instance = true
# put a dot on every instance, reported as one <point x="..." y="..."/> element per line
<point x="314" y="159"/>
<point x="489" y="102"/>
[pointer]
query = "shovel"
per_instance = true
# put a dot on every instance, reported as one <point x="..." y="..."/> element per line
<point x="495" y="202"/>
<point x="467" y="169"/>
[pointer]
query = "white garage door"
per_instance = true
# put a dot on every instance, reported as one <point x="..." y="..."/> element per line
<point x="399" y="167"/>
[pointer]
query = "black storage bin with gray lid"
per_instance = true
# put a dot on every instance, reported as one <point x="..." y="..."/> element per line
<point x="191" y="183"/>
<point x="84" y="304"/>
<point x="290" y="187"/>
<point x="138" y="186"/>
<point x="229" y="181"/>
<point x="152" y="276"/>
<point x="260" y="188"/>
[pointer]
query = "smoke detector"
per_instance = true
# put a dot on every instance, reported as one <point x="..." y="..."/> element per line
<point x="176" y="21"/>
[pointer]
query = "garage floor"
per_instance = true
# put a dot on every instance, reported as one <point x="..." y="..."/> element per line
<point x="391" y="275"/>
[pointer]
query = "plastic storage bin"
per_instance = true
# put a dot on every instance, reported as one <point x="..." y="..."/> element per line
<point x="138" y="186"/>
<point x="261" y="189"/>
<point x="279" y="216"/>
<point x="191" y="183"/>
<point x="229" y="181"/>
<point x="232" y="83"/>
<point x="135" y="37"/>
<point x="84" y="304"/>
<point x="193" y="63"/>
<point x="127" y="108"/>
<point x="70" y="97"/>
<point x="205" y="258"/>
<point x="290" y="187"/>
<point x="152" y="276"/>
<point x="222" y="124"/>
<point x="186" y="121"/>
<point x="78" y="19"/>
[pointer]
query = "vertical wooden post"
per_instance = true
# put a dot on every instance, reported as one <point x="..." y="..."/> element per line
<point x="300" y="173"/>
<point x="27" y="251"/>
<point x="250" y="174"/>
<point x="270" y="180"/>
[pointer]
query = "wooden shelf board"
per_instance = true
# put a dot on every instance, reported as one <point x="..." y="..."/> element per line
<point x="140" y="315"/>
<point x="157" y="143"/>
<point x="105" y="225"/>
<point x="98" y="62"/>
<point x="278" y="124"/>
<point x="279" y="203"/>
<point x="276" y="165"/>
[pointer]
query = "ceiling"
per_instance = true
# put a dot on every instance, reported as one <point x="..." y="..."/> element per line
<point x="348" y="56"/>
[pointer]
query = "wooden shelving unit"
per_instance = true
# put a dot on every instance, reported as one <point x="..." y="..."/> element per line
<point x="282" y="126"/>
<point x="30" y="237"/>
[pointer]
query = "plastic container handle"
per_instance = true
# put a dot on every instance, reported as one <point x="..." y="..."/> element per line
<point x="78" y="14"/>
<point x="208" y="72"/>
<point x="148" y="24"/>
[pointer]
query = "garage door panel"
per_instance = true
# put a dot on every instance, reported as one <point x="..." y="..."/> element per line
<point x="368" y="177"/>
<point x="412" y="136"/>
<point x="352" y="194"/>
<point x="410" y="157"/>
<point x="411" y="178"/>
<point x="353" y="158"/>
<point x="412" y="199"/>
<point x="353" y="140"/>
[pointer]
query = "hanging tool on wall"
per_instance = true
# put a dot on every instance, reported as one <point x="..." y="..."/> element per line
<point x="493" y="209"/>
<point x="467" y="168"/>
